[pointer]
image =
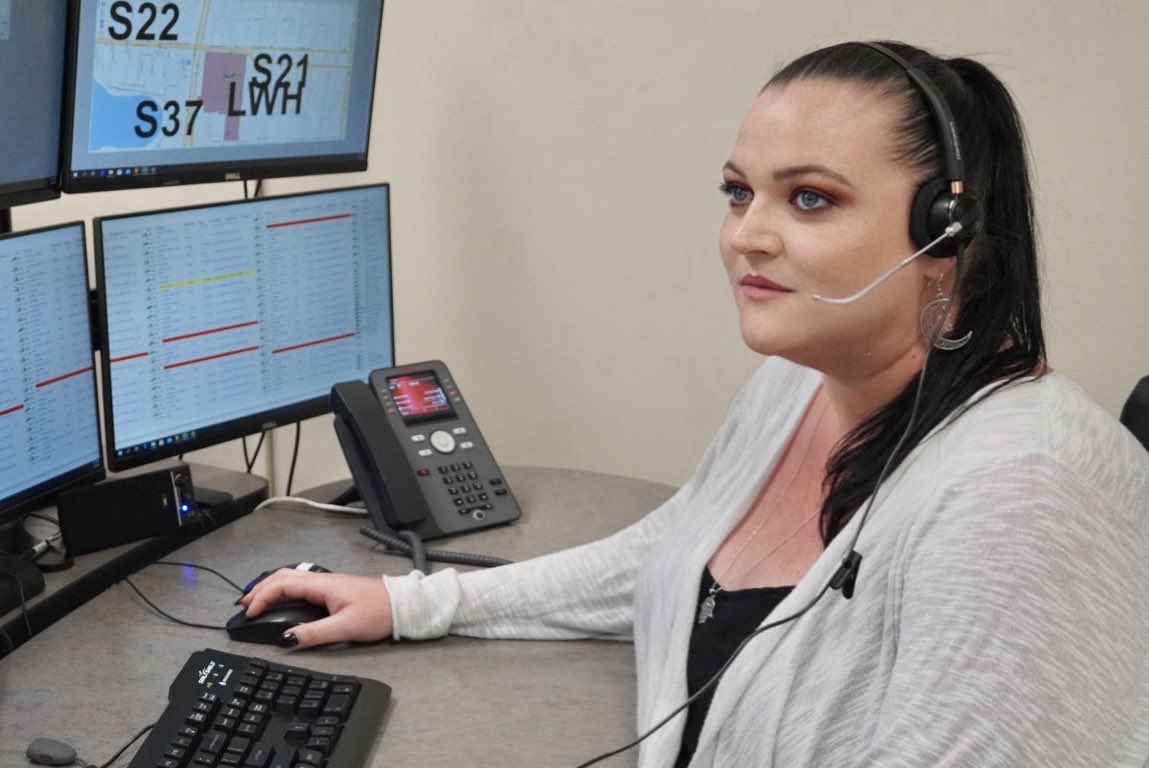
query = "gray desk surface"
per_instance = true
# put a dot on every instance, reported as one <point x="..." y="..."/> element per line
<point x="100" y="674"/>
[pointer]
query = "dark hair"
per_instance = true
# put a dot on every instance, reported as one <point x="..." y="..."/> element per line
<point x="997" y="290"/>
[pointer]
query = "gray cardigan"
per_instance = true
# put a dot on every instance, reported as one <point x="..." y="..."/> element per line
<point x="1001" y="616"/>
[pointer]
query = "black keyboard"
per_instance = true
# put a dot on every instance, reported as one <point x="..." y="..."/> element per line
<point x="243" y="712"/>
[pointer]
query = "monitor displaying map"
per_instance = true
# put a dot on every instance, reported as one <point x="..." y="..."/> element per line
<point x="216" y="90"/>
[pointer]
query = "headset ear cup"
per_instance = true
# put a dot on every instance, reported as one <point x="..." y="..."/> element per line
<point x="934" y="208"/>
<point x="923" y="229"/>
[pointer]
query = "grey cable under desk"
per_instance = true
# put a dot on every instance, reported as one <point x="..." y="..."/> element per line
<point x="102" y="672"/>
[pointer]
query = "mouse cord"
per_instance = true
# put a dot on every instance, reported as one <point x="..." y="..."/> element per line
<point x="167" y="615"/>
<point x="212" y="571"/>
<point x="85" y="764"/>
<point x="124" y="748"/>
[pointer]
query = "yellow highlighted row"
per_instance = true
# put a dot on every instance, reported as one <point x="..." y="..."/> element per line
<point x="208" y="279"/>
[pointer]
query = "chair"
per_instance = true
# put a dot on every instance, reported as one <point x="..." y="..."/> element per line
<point x="1135" y="413"/>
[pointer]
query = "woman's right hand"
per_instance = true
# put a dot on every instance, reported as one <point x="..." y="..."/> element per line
<point x="359" y="606"/>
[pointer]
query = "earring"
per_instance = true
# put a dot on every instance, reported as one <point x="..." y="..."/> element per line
<point x="935" y="326"/>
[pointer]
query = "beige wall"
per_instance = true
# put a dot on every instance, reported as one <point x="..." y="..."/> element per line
<point x="555" y="208"/>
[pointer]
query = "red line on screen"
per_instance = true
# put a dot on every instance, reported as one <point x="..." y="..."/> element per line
<point x="68" y="375"/>
<point x="221" y="329"/>
<point x="124" y="358"/>
<point x="313" y="343"/>
<point x="210" y="357"/>
<point x="13" y="409"/>
<point x="315" y="220"/>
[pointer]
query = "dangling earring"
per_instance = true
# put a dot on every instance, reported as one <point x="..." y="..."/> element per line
<point x="934" y="324"/>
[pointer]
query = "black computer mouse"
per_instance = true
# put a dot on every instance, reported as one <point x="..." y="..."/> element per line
<point x="269" y="626"/>
<point x="278" y="617"/>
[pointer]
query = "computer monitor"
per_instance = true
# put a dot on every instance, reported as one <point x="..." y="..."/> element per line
<point x="202" y="90"/>
<point x="33" y="34"/>
<point x="49" y="422"/>
<point x="223" y="320"/>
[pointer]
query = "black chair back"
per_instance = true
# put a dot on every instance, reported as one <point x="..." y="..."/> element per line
<point x="1135" y="414"/>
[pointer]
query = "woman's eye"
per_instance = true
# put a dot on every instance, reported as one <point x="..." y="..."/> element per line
<point x="736" y="193"/>
<point x="809" y="200"/>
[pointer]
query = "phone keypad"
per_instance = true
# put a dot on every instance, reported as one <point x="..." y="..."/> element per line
<point x="468" y="492"/>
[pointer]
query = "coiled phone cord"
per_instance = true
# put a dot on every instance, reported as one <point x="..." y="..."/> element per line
<point x="409" y="543"/>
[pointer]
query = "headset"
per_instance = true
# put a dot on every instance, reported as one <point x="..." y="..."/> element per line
<point x="941" y="201"/>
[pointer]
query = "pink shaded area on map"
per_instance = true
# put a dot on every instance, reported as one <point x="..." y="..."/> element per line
<point x="220" y="71"/>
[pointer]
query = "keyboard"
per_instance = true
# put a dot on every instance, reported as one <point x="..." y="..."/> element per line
<point x="244" y="712"/>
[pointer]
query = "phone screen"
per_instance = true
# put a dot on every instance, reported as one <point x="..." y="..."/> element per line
<point x="419" y="396"/>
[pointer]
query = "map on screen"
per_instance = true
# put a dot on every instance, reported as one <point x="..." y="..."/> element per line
<point x="212" y="81"/>
<point x="211" y="72"/>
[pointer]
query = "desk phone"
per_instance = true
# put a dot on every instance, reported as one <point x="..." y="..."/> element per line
<point x="416" y="453"/>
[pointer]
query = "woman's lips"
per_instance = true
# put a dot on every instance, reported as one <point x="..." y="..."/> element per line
<point x="758" y="288"/>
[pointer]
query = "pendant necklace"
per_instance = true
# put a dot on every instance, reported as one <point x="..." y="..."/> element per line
<point x="706" y="607"/>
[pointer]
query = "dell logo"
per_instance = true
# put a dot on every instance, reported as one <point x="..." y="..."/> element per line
<point x="232" y="176"/>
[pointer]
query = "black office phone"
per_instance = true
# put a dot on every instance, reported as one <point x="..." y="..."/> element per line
<point x="416" y="454"/>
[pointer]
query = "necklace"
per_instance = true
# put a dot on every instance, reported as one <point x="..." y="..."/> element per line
<point x="706" y="607"/>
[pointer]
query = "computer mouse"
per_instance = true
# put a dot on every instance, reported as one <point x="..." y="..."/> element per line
<point x="269" y="626"/>
<point x="278" y="617"/>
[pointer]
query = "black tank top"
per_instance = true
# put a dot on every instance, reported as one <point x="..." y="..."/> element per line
<point x="736" y="615"/>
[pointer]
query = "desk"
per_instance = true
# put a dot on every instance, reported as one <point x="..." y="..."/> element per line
<point x="101" y="673"/>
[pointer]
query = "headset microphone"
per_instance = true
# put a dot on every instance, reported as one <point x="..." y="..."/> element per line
<point x="951" y="231"/>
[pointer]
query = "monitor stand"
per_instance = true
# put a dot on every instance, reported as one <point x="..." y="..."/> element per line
<point x="227" y="492"/>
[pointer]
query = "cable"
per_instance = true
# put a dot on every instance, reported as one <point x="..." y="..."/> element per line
<point x="167" y="615"/>
<point x="402" y="542"/>
<point x="250" y="462"/>
<point x="399" y="544"/>
<point x="200" y="567"/>
<point x="713" y="681"/>
<point x="842" y="579"/>
<point x="294" y="457"/>
<point x="123" y="749"/>
<point x="300" y="501"/>
<point x="415" y="547"/>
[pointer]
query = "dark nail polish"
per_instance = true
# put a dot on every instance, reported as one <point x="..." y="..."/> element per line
<point x="288" y="640"/>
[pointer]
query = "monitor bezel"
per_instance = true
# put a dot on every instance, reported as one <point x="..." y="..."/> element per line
<point x="250" y="424"/>
<point x="45" y="493"/>
<point x="284" y="165"/>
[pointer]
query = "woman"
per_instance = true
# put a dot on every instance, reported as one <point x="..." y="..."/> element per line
<point x="905" y="418"/>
